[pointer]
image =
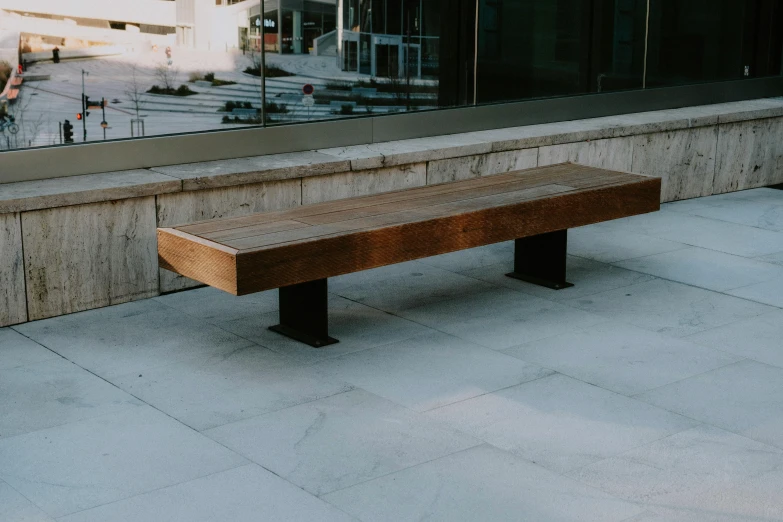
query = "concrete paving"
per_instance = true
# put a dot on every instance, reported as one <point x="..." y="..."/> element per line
<point x="650" y="391"/>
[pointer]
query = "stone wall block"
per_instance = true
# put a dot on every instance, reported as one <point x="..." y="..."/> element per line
<point x="455" y="169"/>
<point x="683" y="159"/>
<point x="202" y="205"/>
<point x="750" y="155"/>
<point x="362" y="183"/>
<point x="13" y="307"/>
<point x="88" y="256"/>
<point x="612" y="154"/>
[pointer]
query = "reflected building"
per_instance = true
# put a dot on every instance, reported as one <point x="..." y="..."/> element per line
<point x="389" y="38"/>
<point x="288" y="26"/>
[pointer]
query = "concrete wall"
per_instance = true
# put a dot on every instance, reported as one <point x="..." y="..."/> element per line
<point x="83" y="242"/>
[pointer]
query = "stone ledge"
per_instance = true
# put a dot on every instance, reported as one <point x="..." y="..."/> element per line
<point x="77" y="190"/>
<point x="257" y="169"/>
<point x="94" y="188"/>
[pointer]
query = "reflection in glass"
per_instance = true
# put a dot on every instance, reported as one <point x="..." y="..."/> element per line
<point x="175" y="66"/>
<point x="530" y="48"/>
<point x="697" y="41"/>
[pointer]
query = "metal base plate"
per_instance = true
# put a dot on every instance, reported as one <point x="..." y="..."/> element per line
<point x="540" y="282"/>
<point x="312" y="340"/>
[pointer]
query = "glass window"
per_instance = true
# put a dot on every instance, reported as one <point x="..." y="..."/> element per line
<point x="698" y="41"/>
<point x="530" y="49"/>
<point x="197" y="67"/>
<point x="619" y="28"/>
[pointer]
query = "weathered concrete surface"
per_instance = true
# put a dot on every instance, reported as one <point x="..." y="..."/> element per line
<point x="187" y="207"/>
<point x="750" y="155"/>
<point x="684" y="160"/>
<point x="612" y="154"/>
<point x="88" y="256"/>
<point x="80" y="190"/>
<point x="351" y="184"/>
<point x="13" y="307"/>
<point x="455" y="169"/>
<point x="241" y="171"/>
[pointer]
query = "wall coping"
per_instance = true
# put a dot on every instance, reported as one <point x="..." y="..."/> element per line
<point x="93" y="188"/>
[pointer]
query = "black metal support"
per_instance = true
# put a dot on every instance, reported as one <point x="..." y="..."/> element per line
<point x="541" y="260"/>
<point x="304" y="313"/>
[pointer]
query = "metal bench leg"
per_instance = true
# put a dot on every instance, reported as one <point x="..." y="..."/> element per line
<point x="304" y="313"/>
<point x="541" y="260"/>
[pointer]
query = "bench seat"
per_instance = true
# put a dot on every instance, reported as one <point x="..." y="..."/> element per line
<point x="299" y="248"/>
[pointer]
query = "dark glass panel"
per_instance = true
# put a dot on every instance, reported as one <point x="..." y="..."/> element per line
<point x="532" y="48"/>
<point x="365" y="59"/>
<point x="617" y="61"/>
<point x="698" y="41"/>
<point x="393" y="17"/>
<point x="365" y="16"/>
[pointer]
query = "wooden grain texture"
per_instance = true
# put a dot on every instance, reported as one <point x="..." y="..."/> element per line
<point x="219" y="204"/>
<point x="211" y="263"/>
<point x="264" y="251"/>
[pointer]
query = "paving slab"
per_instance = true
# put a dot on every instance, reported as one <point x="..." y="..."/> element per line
<point x="759" y="338"/>
<point x="561" y="423"/>
<point x="244" y="494"/>
<point x="745" y="398"/>
<point x="92" y="462"/>
<point x="474" y="258"/>
<point x="776" y="258"/>
<point x="701" y="474"/>
<point x="739" y="240"/>
<point x="500" y="318"/>
<point x="211" y="304"/>
<point x="765" y="213"/>
<point x="623" y="358"/>
<point x="339" y="441"/>
<point x="18" y="350"/>
<point x="607" y="246"/>
<point x="431" y="370"/>
<point x="209" y="391"/>
<point x="670" y="308"/>
<point x="482" y="483"/>
<point x="15" y="508"/>
<point x="768" y="292"/>
<point x="705" y="268"/>
<point x="129" y="338"/>
<point x="52" y="393"/>
<point x="406" y="286"/>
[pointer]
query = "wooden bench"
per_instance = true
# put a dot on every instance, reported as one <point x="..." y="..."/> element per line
<point x="297" y="250"/>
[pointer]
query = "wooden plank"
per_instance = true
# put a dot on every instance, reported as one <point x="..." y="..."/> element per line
<point x="373" y="210"/>
<point x="306" y="261"/>
<point x="266" y="228"/>
<point x="507" y="184"/>
<point x="552" y="174"/>
<point x="392" y="219"/>
<point x="205" y="261"/>
<point x="205" y="227"/>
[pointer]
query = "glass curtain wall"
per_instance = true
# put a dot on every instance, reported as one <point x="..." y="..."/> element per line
<point x="543" y="48"/>
<point x="315" y="60"/>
